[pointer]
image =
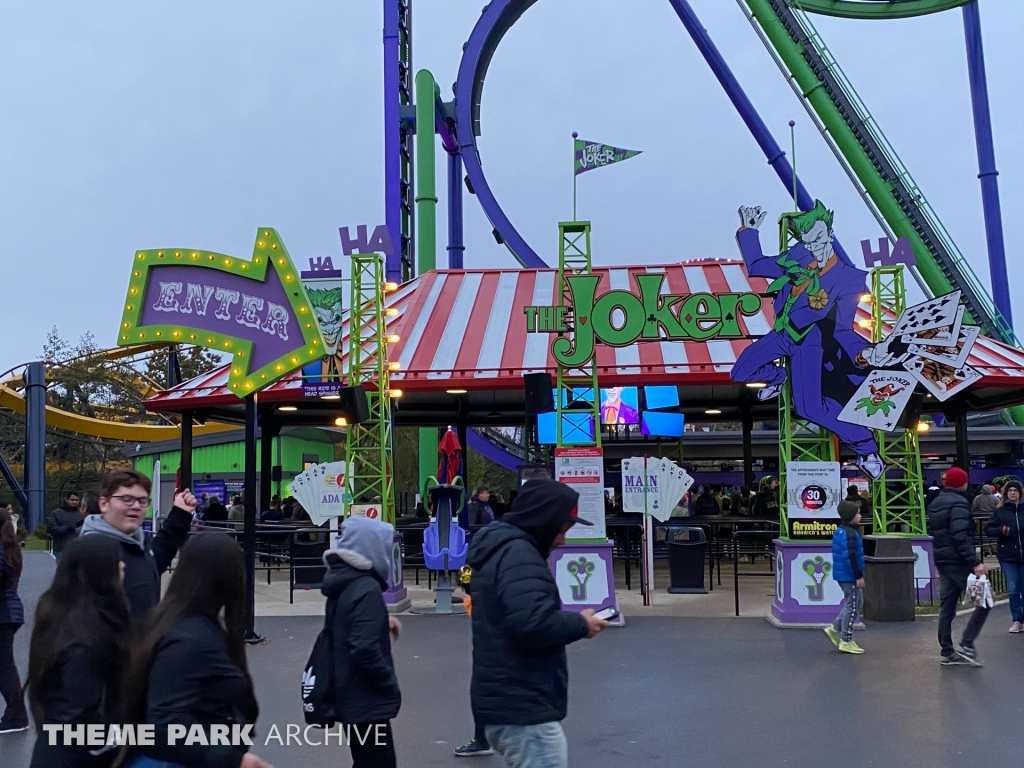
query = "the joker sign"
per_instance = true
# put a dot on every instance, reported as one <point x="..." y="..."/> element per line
<point x="815" y="309"/>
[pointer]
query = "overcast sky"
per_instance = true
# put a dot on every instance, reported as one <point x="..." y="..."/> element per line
<point x="131" y="125"/>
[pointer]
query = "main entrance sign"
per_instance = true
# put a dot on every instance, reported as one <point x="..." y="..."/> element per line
<point x="256" y="311"/>
<point x="619" y="318"/>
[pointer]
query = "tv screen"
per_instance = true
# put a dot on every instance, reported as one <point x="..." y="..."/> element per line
<point x="661" y="397"/>
<point x="619" y="406"/>
<point x="662" y="424"/>
<point x="577" y="428"/>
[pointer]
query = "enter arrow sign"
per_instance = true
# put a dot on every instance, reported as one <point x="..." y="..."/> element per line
<point x="256" y="311"/>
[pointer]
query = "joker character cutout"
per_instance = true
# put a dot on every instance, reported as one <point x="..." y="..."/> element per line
<point x="815" y="306"/>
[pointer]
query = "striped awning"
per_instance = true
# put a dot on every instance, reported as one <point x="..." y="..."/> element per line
<point x="467" y="329"/>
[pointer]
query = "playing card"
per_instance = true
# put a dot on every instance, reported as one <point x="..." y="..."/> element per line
<point x="940" y="379"/>
<point x="945" y="335"/>
<point x="879" y="401"/>
<point x="934" y="313"/>
<point x="633" y="485"/>
<point x="953" y="356"/>
<point x="653" y="476"/>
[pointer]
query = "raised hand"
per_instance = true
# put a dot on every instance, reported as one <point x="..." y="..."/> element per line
<point x="751" y="218"/>
<point x="185" y="500"/>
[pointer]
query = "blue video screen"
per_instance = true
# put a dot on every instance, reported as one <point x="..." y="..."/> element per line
<point x="662" y="424"/>
<point x="619" y="405"/>
<point x="577" y="428"/>
<point x="661" y="397"/>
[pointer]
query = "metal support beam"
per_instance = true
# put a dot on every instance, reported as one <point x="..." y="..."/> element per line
<point x="249" y="533"/>
<point x="987" y="162"/>
<point x="963" y="445"/>
<point x="35" y="445"/>
<point x="456" y="248"/>
<point x="748" y="447"/>
<point x="267" y="431"/>
<point x="185" y="462"/>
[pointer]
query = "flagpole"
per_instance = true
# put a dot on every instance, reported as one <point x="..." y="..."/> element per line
<point x="575" y="135"/>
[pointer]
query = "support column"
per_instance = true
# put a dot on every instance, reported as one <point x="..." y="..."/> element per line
<point x="461" y="429"/>
<point x="249" y="534"/>
<point x="987" y="162"/>
<point x="185" y="463"/>
<point x="748" y="447"/>
<point x="35" y="445"/>
<point x="456" y="249"/>
<point x="963" y="450"/>
<point x="268" y="430"/>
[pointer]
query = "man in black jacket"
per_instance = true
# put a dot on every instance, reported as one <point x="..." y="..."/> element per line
<point x="124" y="498"/>
<point x="950" y="526"/>
<point x="520" y="673"/>
<point x="63" y="523"/>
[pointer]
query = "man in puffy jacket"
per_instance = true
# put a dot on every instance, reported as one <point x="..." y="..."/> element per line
<point x="520" y="673"/>
<point x="950" y="526"/>
<point x="1005" y="525"/>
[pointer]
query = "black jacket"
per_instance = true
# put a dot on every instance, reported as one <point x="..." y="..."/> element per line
<point x="192" y="679"/>
<point x="215" y="512"/>
<point x="365" y="684"/>
<point x="145" y="562"/>
<point x="706" y="504"/>
<point x="1011" y="546"/>
<point x="766" y="504"/>
<point x="62" y="526"/>
<point x="520" y="674"/>
<point x="951" y="529"/>
<point x="72" y="690"/>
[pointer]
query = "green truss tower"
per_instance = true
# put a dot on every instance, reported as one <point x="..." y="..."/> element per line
<point x="368" y="445"/>
<point x="898" y="498"/>
<point x="577" y="402"/>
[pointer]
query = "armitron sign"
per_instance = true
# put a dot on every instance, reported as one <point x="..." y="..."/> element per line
<point x="620" y="318"/>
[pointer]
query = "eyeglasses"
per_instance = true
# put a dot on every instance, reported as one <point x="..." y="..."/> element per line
<point x="130" y="501"/>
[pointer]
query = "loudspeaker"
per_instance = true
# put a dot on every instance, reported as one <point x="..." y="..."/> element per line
<point x="912" y="413"/>
<point x="275" y="474"/>
<point x="354" y="404"/>
<point x="540" y="397"/>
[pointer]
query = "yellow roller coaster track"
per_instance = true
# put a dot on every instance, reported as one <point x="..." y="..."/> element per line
<point x="13" y="400"/>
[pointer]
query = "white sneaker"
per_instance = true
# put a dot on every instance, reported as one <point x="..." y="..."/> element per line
<point x="770" y="392"/>
<point x="872" y="464"/>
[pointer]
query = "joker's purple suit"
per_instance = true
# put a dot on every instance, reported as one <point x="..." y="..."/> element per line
<point x="798" y="335"/>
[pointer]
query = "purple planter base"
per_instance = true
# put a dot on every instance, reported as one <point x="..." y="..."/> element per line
<point x="924" y="569"/>
<point x="806" y="595"/>
<point x="585" y="576"/>
<point x="396" y="595"/>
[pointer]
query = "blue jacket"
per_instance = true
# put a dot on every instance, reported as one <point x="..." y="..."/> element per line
<point x="847" y="554"/>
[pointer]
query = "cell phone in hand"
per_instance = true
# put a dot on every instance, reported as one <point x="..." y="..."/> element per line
<point x="607" y="614"/>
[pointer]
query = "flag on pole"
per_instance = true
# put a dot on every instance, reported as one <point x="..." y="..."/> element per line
<point x="590" y="155"/>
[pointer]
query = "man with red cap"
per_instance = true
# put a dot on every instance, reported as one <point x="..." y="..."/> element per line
<point x="950" y="526"/>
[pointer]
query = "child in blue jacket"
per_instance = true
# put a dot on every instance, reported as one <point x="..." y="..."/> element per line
<point x="848" y="570"/>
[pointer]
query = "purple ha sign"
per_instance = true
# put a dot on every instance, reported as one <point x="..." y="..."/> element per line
<point x="256" y="311"/>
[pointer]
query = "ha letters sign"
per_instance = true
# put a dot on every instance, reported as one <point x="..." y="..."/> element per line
<point x="254" y="310"/>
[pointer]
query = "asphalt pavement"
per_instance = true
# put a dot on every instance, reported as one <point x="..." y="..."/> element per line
<point x="676" y="692"/>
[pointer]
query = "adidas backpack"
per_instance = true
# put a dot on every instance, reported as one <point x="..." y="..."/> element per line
<point x="318" y="677"/>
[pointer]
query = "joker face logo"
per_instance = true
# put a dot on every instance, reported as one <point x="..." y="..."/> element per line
<point x="330" y="320"/>
<point x="581" y="569"/>
<point x="817" y="569"/>
<point x="819" y="242"/>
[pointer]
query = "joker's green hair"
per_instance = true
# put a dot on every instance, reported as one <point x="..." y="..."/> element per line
<point x="801" y="224"/>
<point x="324" y="298"/>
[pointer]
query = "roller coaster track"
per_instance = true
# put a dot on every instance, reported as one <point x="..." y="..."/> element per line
<point x="12" y="399"/>
<point x="843" y="119"/>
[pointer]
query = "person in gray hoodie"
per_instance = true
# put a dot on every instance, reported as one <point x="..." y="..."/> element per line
<point x="124" y="498"/>
<point x="367" y="697"/>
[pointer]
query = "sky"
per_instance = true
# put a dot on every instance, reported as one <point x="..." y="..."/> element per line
<point x="191" y="124"/>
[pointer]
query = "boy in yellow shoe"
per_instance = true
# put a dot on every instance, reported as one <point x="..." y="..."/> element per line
<point x="848" y="570"/>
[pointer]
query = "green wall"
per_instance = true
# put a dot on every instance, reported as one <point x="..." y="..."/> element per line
<point x="230" y="457"/>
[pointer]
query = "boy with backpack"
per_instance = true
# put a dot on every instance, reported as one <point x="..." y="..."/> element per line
<point x="848" y="570"/>
<point x="350" y="677"/>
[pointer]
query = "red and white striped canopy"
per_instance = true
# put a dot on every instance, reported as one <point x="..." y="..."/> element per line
<point x="466" y="329"/>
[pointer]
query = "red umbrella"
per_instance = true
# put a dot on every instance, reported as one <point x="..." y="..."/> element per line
<point x="450" y="459"/>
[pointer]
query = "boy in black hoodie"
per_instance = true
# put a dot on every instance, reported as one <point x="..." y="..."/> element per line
<point x="520" y="674"/>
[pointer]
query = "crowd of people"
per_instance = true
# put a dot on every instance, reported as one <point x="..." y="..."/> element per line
<point x="107" y="648"/>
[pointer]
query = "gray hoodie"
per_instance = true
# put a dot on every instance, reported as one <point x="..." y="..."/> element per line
<point x="365" y="544"/>
<point x="96" y="524"/>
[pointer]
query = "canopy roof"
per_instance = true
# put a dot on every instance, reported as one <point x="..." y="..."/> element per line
<point x="465" y="329"/>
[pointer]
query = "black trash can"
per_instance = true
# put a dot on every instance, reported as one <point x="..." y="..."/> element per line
<point x="888" y="578"/>
<point x="686" y="554"/>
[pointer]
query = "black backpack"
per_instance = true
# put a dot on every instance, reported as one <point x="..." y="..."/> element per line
<point x="318" y="677"/>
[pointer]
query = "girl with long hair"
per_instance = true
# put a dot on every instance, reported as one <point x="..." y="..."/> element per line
<point x="12" y="616"/>
<point x="79" y="646"/>
<point x="188" y="666"/>
<point x="1006" y="526"/>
